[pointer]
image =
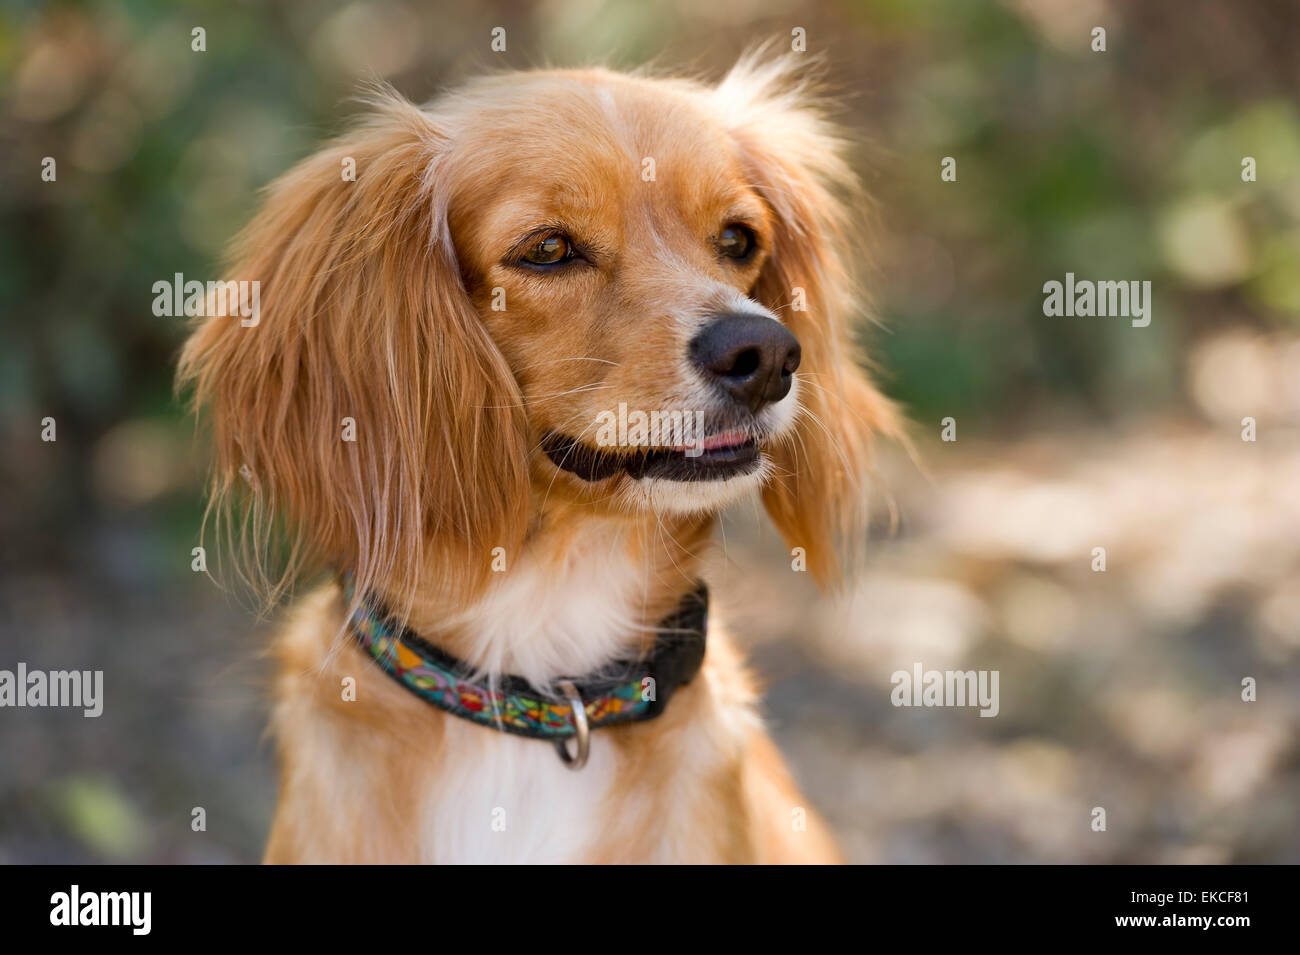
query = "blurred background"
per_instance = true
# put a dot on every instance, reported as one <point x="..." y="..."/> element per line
<point x="1119" y="689"/>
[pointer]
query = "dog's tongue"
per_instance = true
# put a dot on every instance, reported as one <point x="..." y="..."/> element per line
<point x="727" y="439"/>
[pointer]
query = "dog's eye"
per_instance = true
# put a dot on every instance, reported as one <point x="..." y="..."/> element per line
<point x="736" y="241"/>
<point x="549" y="251"/>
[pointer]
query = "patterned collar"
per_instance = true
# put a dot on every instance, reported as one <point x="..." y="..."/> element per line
<point x="624" y="692"/>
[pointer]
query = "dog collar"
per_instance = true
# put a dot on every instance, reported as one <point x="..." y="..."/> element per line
<point x="624" y="692"/>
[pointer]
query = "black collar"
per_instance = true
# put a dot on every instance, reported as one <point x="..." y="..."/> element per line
<point x="624" y="692"/>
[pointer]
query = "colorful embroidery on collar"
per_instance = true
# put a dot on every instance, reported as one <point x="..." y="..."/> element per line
<point x="633" y="691"/>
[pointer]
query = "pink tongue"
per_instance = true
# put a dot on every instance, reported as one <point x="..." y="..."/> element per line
<point x="727" y="439"/>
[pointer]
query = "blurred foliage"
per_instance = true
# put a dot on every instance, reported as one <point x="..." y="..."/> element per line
<point x="100" y="816"/>
<point x="1123" y="164"/>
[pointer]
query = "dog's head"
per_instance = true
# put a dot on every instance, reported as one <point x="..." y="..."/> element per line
<point x="562" y="286"/>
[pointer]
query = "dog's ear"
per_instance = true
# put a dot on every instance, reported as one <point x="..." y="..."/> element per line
<point x="367" y="410"/>
<point x="817" y="495"/>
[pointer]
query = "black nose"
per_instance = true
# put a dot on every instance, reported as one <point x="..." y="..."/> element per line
<point x="752" y="357"/>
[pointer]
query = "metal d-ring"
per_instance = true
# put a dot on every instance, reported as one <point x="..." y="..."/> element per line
<point x="580" y="728"/>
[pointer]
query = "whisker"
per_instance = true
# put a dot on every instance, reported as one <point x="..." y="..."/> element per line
<point x="537" y="399"/>
<point x="555" y="361"/>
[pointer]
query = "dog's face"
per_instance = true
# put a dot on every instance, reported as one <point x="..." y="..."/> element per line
<point x="611" y="244"/>
<point x="581" y="286"/>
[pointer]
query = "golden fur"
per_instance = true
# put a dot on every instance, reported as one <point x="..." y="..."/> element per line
<point x="377" y="305"/>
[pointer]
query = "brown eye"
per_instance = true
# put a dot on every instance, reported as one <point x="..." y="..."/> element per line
<point x="549" y="251"/>
<point x="736" y="241"/>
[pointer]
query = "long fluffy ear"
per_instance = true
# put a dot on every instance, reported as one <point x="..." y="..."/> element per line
<point x="367" y="410"/>
<point x="817" y="498"/>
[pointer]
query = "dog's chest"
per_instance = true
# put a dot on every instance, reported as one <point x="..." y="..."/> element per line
<point x="545" y="620"/>
<point x="503" y="798"/>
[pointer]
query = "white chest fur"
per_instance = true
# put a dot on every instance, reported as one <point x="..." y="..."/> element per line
<point x="502" y="798"/>
<point x="553" y="617"/>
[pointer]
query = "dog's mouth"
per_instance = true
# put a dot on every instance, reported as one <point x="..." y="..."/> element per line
<point x="718" y="457"/>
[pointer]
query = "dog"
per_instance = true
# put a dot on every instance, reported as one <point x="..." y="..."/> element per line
<point x="512" y="660"/>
